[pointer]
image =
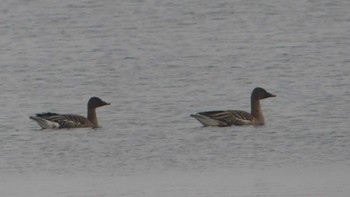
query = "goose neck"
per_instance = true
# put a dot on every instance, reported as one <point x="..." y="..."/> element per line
<point x="92" y="116"/>
<point x="256" y="111"/>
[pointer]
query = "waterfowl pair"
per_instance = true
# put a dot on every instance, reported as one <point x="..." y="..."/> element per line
<point x="57" y="121"/>
<point x="208" y="118"/>
<point x="236" y="117"/>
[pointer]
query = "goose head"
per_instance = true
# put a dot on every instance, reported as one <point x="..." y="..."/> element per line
<point x="260" y="93"/>
<point x="95" y="102"/>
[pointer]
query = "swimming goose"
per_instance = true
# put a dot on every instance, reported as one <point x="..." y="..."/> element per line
<point x="57" y="121"/>
<point x="236" y="117"/>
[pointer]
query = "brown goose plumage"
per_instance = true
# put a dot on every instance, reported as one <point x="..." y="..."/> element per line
<point x="57" y="121"/>
<point x="236" y="117"/>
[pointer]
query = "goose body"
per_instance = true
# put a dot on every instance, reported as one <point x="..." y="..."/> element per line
<point x="57" y="121"/>
<point x="224" y="118"/>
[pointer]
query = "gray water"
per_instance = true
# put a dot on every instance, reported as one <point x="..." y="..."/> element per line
<point x="158" y="61"/>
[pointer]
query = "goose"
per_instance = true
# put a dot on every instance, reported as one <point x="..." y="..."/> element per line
<point x="224" y="118"/>
<point x="50" y="120"/>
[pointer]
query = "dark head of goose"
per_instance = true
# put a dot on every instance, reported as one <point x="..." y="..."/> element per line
<point x="260" y="93"/>
<point x="95" y="102"/>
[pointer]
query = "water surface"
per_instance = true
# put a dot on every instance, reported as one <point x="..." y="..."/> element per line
<point x="157" y="62"/>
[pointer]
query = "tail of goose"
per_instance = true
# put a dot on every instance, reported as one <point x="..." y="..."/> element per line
<point x="207" y="121"/>
<point x="45" y="124"/>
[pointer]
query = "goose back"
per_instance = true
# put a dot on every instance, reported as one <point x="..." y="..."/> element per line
<point x="66" y="120"/>
<point x="224" y="117"/>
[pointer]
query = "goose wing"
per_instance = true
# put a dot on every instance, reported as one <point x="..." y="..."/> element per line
<point x="65" y="120"/>
<point x="227" y="117"/>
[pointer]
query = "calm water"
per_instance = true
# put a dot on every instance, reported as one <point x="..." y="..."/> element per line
<point x="157" y="61"/>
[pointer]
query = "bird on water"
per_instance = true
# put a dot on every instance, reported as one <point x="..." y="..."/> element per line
<point x="57" y="121"/>
<point x="224" y="118"/>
